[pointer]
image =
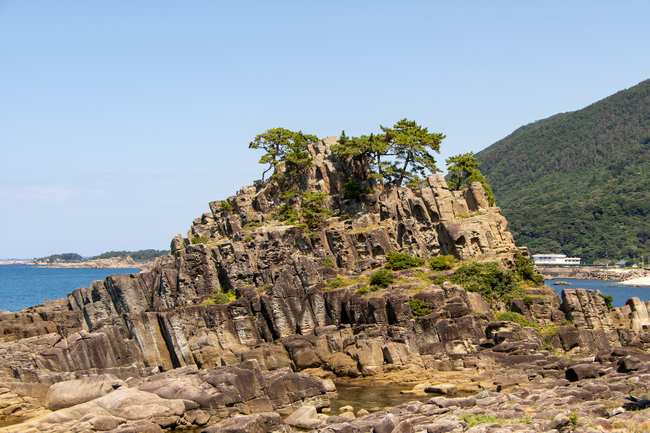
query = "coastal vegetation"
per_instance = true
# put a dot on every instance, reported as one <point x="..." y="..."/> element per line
<point x="398" y="154"/>
<point x="62" y="258"/>
<point x="463" y="170"/>
<point x="137" y="256"/>
<point x="577" y="183"/>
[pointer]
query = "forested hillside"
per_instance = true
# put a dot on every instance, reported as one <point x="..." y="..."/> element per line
<point x="578" y="183"/>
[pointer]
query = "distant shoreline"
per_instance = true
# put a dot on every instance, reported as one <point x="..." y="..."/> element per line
<point x="89" y="264"/>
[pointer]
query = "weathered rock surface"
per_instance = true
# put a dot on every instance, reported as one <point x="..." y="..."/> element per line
<point x="182" y="398"/>
<point x="151" y="336"/>
<point x="534" y="400"/>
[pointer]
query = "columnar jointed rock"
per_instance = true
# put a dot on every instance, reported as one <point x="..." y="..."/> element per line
<point x="289" y="316"/>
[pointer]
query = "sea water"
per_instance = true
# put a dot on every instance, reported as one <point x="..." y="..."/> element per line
<point x="22" y="286"/>
<point x="620" y="292"/>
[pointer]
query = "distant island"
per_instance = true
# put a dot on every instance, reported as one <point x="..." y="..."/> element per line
<point x="108" y="260"/>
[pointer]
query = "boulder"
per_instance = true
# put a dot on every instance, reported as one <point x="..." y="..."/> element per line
<point x="73" y="392"/>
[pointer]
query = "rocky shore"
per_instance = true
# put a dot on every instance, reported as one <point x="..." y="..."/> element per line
<point x="247" y="324"/>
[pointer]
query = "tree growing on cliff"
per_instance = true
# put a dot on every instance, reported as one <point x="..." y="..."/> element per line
<point x="411" y="144"/>
<point x="400" y="154"/>
<point x="463" y="170"/>
<point x="283" y="146"/>
<point x="372" y="147"/>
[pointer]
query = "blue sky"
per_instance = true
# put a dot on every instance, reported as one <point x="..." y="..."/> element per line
<point x="121" y="120"/>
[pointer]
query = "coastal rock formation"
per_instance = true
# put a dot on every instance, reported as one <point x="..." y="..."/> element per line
<point x="542" y="393"/>
<point x="279" y="272"/>
<point x="301" y="301"/>
<point x="181" y="398"/>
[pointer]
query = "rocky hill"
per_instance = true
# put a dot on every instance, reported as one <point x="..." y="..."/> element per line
<point x="250" y="315"/>
<point x="576" y="183"/>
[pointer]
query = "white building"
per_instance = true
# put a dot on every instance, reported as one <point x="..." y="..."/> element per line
<point x="555" y="259"/>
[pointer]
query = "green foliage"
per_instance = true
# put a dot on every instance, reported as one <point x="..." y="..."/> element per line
<point x="138" y="256"/>
<point x="463" y="170"/>
<point x="476" y="419"/>
<point x="252" y="225"/>
<point x="488" y="279"/>
<point x="473" y="420"/>
<point x="419" y="308"/>
<point x="312" y="208"/>
<point x="460" y="167"/>
<point x="382" y="277"/>
<point x="371" y="147"/>
<point x="227" y="206"/>
<point x="439" y="279"/>
<point x="411" y="144"/>
<point x="442" y="263"/>
<point x="338" y="282"/>
<point x="284" y="147"/>
<point x="249" y="238"/>
<point x="476" y="176"/>
<point x="574" y="419"/>
<point x="528" y="301"/>
<point x="399" y="261"/>
<point x="200" y="240"/>
<point x="65" y="258"/>
<point x="526" y="271"/>
<point x="222" y="298"/>
<point x="416" y="183"/>
<point x="288" y="215"/>
<point x="609" y="301"/>
<point x="328" y="262"/>
<point x="577" y="183"/>
<point x="351" y="190"/>
<point x="290" y="195"/>
<point x="298" y="158"/>
<point x="405" y="148"/>
<point x="366" y="289"/>
<point x="511" y="316"/>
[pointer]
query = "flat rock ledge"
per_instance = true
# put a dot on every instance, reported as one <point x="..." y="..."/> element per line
<point x="539" y="393"/>
<point x="176" y="400"/>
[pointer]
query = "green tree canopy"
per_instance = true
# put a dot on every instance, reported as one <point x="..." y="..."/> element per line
<point x="282" y="145"/>
<point x="406" y="142"/>
<point x="373" y="147"/>
<point x="463" y="170"/>
<point x="411" y="144"/>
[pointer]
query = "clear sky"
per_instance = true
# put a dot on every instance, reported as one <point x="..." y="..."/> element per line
<point x="121" y="120"/>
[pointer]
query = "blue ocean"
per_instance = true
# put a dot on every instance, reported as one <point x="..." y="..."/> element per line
<point x="619" y="292"/>
<point x="22" y="286"/>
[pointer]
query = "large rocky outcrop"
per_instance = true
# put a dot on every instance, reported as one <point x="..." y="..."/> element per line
<point x="288" y="316"/>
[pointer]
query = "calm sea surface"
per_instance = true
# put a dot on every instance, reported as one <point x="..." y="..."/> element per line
<point x="619" y="292"/>
<point x="22" y="286"/>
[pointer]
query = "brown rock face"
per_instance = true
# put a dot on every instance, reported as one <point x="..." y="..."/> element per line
<point x="290" y="316"/>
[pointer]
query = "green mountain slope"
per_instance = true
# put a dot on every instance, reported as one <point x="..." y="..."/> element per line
<point x="579" y="183"/>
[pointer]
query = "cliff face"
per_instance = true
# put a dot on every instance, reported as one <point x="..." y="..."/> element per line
<point x="278" y="270"/>
<point x="287" y="315"/>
